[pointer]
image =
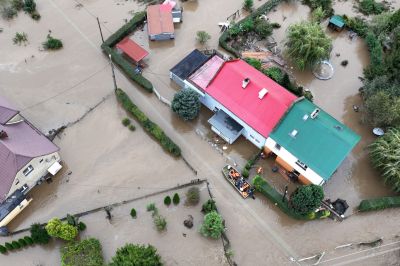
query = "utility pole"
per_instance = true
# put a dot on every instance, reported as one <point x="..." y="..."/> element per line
<point x="284" y="194"/>
<point x="113" y="72"/>
<point x="101" y="33"/>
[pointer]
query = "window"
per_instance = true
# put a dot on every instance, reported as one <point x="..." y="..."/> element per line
<point x="28" y="170"/>
<point x="277" y="146"/>
<point x="302" y="165"/>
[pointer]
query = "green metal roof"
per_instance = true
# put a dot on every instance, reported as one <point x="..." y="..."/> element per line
<point x="321" y="143"/>
<point x="337" y="21"/>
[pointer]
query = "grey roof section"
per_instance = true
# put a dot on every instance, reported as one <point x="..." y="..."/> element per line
<point x="228" y="127"/>
<point x="7" y="111"/>
<point x="189" y="64"/>
<point x="24" y="143"/>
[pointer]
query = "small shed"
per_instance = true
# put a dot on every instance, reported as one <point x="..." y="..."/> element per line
<point x="133" y="50"/>
<point x="336" y="22"/>
<point x="160" y="25"/>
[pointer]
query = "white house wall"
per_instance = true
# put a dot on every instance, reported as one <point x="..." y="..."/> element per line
<point x="291" y="160"/>
<point x="40" y="166"/>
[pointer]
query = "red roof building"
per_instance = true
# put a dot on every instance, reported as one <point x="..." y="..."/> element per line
<point x="132" y="49"/>
<point x="261" y="104"/>
<point x="160" y="25"/>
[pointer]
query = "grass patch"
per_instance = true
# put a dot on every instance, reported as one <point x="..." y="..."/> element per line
<point x="379" y="204"/>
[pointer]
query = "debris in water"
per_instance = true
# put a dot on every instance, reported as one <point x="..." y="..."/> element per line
<point x="356" y="108"/>
<point x="224" y="147"/>
<point x="372" y="243"/>
<point x="344" y="63"/>
<point x="189" y="222"/>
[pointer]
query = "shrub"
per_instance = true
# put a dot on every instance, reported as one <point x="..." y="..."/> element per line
<point x="245" y="173"/>
<point x="22" y="242"/>
<point x="81" y="226"/>
<point x="167" y="200"/>
<point x="17" y="4"/>
<point x="247" y="25"/>
<point x="318" y="14"/>
<point x="212" y="225"/>
<point x="126" y="121"/>
<point x="248" y="5"/>
<point x="20" y="37"/>
<point x="209" y="206"/>
<point x="357" y="25"/>
<point x="133" y="213"/>
<point x="151" y="207"/>
<point x="306" y="199"/>
<point x="202" y="37"/>
<point x="132" y="127"/>
<point x="379" y="204"/>
<point x="72" y="220"/>
<point x="254" y="63"/>
<point x="326" y="5"/>
<point x="186" y="104"/>
<point x="29" y="239"/>
<point x="136" y="255"/>
<point x="370" y="7"/>
<point x="3" y="249"/>
<point x="263" y="28"/>
<point x="86" y="252"/>
<point x="382" y="109"/>
<point x="147" y="124"/>
<point x="29" y="6"/>
<point x="8" y="246"/>
<point x="52" y="43"/>
<point x="39" y="235"/>
<point x="35" y="15"/>
<point x="16" y="245"/>
<point x="160" y="222"/>
<point x="176" y="199"/>
<point x="274" y="73"/>
<point x="192" y="196"/>
<point x="8" y="12"/>
<point x="65" y="231"/>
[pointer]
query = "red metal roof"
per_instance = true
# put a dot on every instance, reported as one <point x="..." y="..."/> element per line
<point x="159" y="20"/>
<point x="260" y="114"/>
<point x="132" y="49"/>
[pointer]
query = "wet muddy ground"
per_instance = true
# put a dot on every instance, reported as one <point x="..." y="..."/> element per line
<point x="109" y="163"/>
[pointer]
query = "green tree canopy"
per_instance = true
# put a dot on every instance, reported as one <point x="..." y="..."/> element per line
<point x="39" y="235"/>
<point x="212" y="225"/>
<point x="383" y="109"/>
<point x="186" y="104"/>
<point x="65" y="231"/>
<point x="136" y="255"/>
<point x="82" y="253"/>
<point x="385" y="156"/>
<point x="306" y="199"/>
<point x="307" y="44"/>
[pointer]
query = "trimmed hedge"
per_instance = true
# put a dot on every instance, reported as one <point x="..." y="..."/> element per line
<point x="268" y="191"/>
<point x="147" y="124"/>
<point x="264" y="9"/>
<point x="176" y="199"/>
<point x="379" y="204"/>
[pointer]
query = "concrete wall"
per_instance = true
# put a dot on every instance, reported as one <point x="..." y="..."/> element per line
<point x="40" y="166"/>
<point x="162" y="37"/>
<point x="291" y="160"/>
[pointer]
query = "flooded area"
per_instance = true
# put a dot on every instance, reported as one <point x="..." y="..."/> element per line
<point x="106" y="163"/>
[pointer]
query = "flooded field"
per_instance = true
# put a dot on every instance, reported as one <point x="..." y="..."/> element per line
<point x="105" y="162"/>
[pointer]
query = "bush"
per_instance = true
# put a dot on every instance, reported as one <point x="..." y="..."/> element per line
<point x="306" y="199"/>
<point x="248" y="5"/>
<point x="65" y="231"/>
<point x="22" y="242"/>
<point x="245" y="173"/>
<point x="382" y="109"/>
<point x="209" y="206"/>
<point x="357" y="25"/>
<point x="247" y="25"/>
<point x="212" y="225"/>
<point x="136" y="255"/>
<point x="133" y="213"/>
<point x="35" y="15"/>
<point x="254" y="63"/>
<point x="202" y="37"/>
<point x="39" y="235"/>
<point x="379" y="204"/>
<point x="8" y="246"/>
<point x="126" y="121"/>
<point x="318" y="14"/>
<point x="29" y="6"/>
<point x="167" y="200"/>
<point x="81" y="226"/>
<point x="147" y="124"/>
<point x="52" y="43"/>
<point x="263" y="28"/>
<point x="325" y="5"/>
<point x="132" y="127"/>
<point x="160" y="222"/>
<point x="16" y="245"/>
<point x="8" y="13"/>
<point x="17" y="4"/>
<point x="186" y="104"/>
<point x="3" y="249"/>
<point x="151" y="207"/>
<point x="176" y="199"/>
<point x="20" y="37"/>
<point x="274" y="73"/>
<point x="370" y="7"/>
<point x="192" y="196"/>
<point x="86" y="252"/>
<point x="72" y="220"/>
<point x="29" y="240"/>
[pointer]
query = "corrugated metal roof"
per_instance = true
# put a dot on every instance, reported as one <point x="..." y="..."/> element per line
<point x="132" y="49"/>
<point x="7" y="111"/>
<point x="321" y="143"/>
<point x="159" y="20"/>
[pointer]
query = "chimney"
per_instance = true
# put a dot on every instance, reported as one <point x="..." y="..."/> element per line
<point x="3" y="134"/>
<point x="315" y="113"/>
<point x="262" y="93"/>
<point x="245" y="82"/>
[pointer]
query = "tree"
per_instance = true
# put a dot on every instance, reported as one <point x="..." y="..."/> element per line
<point x="307" y="44"/>
<point x="263" y="28"/>
<point x="176" y="199"/>
<point x="318" y="14"/>
<point x="82" y="253"/>
<point x="209" y="206"/>
<point x="385" y="156"/>
<point x="248" y="5"/>
<point x="383" y="109"/>
<point x="52" y="43"/>
<point x="39" y="235"/>
<point x="306" y="199"/>
<point x="133" y="213"/>
<point x="212" y="225"/>
<point x="29" y="6"/>
<point x="186" y="104"/>
<point x="136" y="255"/>
<point x="192" y="196"/>
<point x="202" y="37"/>
<point x="370" y="7"/>
<point x="167" y="200"/>
<point x="65" y="231"/>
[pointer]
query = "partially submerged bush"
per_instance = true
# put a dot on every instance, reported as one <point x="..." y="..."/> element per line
<point x="245" y="173"/>
<point x="371" y="7"/>
<point x="306" y="199"/>
<point x="16" y="245"/>
<point x="202" y="37"/>
<point x="135" y="255"/>
<point x="263" y="28"/>
<point x="192" y="196"/>
<point x="8" y="12"/>
<point x="126" y="121"/>
<point x="176" y="199"/>
<point x="160" y="222"/>
<point x="151" y="207"/>
<point x="17" y="4"/>
<point x="87" y="252"/>
<point x="52" y="43"/>
<point x="29" y="240"/>
<point x="209" y="206"/>
<point x="132" y="127"/>
<point x="133" y="213"/>
<point x="29" y="6"/>
<point x="186" y="104"/>
<point x="3" y="249"/>
<point x="167" y="200"/>
<point x="62" y="230"/>
<point x="22" y="242"/>
<point x="39" y="234"/>
<point x="81" y="226"/>
<point x="8" y="246"/>
<point x="254" y="63"/>
<point x="274" y="73"/>
<point x="212" y="225"/>
<point x="20" y="38"/>
<point x="248" y="5"/>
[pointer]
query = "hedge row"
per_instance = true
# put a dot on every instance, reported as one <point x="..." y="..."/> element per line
<point x="15" y="245"/>
<point x="379" y="204"/>
<point x="264" y="9"/>
<point x="268" y="191"/>
<point x="147" y="124"/>
<point x="118" y="59"/>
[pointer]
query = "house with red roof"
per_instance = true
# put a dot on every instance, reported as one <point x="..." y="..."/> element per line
<point x="132" y="50"/>
<point x="27" y="157"/>
<point x="307" y="143"/>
